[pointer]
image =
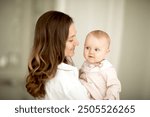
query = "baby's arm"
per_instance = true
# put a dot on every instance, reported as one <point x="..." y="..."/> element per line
<point x="113" y="85"/>
<point x="112" y="93"/>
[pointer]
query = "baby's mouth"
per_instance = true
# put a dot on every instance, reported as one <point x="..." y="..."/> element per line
<point x="91" y="57"/>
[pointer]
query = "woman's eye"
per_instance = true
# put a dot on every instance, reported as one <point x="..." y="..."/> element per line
<point x="71" y="40"/>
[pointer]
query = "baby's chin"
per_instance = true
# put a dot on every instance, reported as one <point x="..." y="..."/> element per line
<point x="91" y="62"/>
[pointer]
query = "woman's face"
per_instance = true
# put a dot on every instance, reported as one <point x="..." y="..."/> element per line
<point x="71" y="42"/>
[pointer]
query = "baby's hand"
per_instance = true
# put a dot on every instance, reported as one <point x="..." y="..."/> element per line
<point x="109" y="98"/>
<point x="82" y="75"/>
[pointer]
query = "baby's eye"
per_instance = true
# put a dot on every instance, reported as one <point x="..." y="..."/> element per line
<point x="87" y="48"/>
<point x="97" y="49"/>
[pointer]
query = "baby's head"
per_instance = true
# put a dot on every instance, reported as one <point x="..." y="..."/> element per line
<point x="96" y="46"/>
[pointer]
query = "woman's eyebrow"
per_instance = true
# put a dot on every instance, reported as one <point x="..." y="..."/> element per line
<point x="72" y="36"/>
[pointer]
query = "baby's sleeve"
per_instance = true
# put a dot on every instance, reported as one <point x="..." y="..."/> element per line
<point x="113" y="85"/>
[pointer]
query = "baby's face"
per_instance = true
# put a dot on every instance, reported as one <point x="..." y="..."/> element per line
<point x="95" y="49"/>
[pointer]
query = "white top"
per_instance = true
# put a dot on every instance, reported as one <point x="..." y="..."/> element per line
<point x="65" y="85"/>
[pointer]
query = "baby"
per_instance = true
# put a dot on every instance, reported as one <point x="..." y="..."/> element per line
<point x="97" y="74"/>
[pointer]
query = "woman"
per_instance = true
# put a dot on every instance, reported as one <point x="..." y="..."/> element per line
<point x="51" y="74"/>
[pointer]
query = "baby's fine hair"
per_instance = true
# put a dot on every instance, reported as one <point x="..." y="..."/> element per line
<point x="99" y="34"/>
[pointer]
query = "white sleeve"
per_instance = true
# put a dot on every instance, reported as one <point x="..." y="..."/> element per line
<point x="73" y="89"/>
<point x="65" y="86"/>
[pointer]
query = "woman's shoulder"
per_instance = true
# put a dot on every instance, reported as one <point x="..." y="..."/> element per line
<point x="66" y="71"/>
<point x="66" y="67"/>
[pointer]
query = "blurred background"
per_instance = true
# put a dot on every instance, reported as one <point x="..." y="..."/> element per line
<point x="126" y="21"/>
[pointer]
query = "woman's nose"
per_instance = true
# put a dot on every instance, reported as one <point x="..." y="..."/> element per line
<point x="76" y="42"/>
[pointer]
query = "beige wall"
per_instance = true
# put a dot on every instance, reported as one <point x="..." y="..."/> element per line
<point x="134" y="63"/>
<point x="126" y="21"/>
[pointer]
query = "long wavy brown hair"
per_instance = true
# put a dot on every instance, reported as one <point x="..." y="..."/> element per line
<point x="51" y="33"/>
